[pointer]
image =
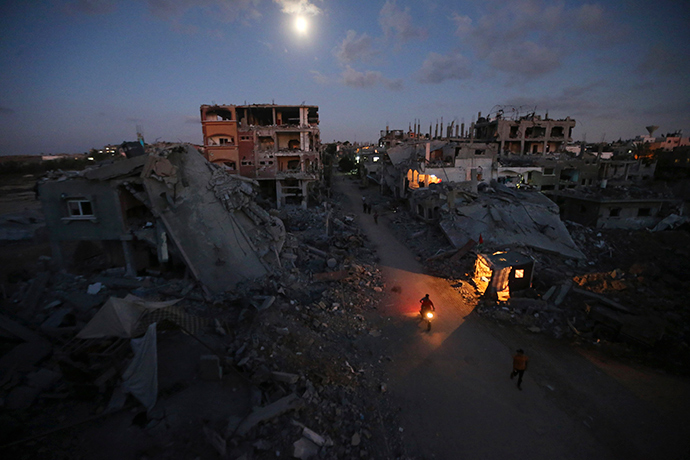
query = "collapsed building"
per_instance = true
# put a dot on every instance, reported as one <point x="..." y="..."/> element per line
<point x="524" y="135"/>
<point x="165" y="206"/>
<point x="276" y="145"/>
<point x="628" y="208"/>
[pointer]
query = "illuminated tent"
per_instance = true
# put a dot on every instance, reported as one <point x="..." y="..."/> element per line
<point x="502" y="272"/>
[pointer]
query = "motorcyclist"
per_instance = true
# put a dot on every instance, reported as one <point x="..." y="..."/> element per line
<point x="427" y="305"/>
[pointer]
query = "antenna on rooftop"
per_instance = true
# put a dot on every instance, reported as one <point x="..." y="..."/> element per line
<point x="651" y="129"/>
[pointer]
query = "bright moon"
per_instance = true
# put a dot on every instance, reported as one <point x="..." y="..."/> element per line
<point x="301" y="25"/>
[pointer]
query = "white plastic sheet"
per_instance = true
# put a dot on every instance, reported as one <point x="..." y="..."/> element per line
<point x="141" y="377"/>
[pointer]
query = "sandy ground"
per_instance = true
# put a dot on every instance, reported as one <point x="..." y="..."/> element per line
<point x="456" y="400"/>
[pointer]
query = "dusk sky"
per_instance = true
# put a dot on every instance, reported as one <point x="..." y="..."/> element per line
<point x="76" y="75"/>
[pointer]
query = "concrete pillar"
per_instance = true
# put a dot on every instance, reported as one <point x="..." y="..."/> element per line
<point x="130" y="269"/>
<point x="304" y="141"/>
<point x="303" y="185"/>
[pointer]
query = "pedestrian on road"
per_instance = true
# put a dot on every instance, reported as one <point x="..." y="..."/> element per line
<point x="376" y="217"/>
<point x="364" y="204"/>
<point x="519" y="366"/>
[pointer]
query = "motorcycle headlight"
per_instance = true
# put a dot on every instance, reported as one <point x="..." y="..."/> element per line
<point x="429" y="315"/>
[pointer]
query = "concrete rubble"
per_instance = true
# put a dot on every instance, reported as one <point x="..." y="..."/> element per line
<point x="293" y="349"/>
<point x="625" y="292"/>
<point x="185" y="207"/>
<point x="286" y="342"/>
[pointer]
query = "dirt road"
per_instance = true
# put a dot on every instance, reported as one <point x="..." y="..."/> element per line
<point x="455" y="397"/>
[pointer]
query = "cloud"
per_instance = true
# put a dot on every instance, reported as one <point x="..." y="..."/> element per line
<point x="92" y="7"/>
<point x="574" y="101"/>
<point x="590" y="17"/>
<point x="368" y="79"/>
<point x="192" y="120"/>
<point x="298" y="7"/>
<point x="354" y="47"/>
<point x="320" y="78"/>
<point x="397" y="23"/>
<point x="532" y="37"/>
<point x="438" y="68"/>
<point x="527" y="59"/>
<point x="660" y="61"/>
<point x="463" y="24"/>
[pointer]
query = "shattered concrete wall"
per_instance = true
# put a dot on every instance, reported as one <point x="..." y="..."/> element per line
<point x="173" y="195"/>
<point x="508" y="218"/>
<point x="224" y="236"/>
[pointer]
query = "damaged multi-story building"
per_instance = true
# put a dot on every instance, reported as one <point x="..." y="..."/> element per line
<point x="162" y="207"/>
<point x="276" y="145"/>
<point x="524" y="135"/>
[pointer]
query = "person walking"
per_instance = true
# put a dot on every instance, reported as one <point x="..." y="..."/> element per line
<point x="520" y="360"/>
<point x="376" y="217"/>
<point x="364" y="204"/>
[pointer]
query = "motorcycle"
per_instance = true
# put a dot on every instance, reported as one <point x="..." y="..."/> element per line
<point x="427" y="315"/>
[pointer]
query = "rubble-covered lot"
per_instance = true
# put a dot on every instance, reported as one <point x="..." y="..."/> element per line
<point x="285" y="366"/>
<point x="628" y="297"/>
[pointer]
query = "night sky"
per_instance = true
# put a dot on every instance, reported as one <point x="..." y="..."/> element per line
<point x="76" y="75"/>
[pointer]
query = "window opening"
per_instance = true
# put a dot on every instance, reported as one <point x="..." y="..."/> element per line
<point x="80" y="208"/>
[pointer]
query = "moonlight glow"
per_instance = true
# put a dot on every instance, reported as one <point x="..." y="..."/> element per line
<point x="301" y="25"/>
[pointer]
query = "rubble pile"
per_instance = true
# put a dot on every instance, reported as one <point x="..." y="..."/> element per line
<point x="301" y="340"/>
<point x="628" y="292"/>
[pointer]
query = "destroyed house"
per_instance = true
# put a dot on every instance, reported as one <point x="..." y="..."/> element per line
<point x="166" y="206"/>
<point x="608" y="208"/>
<point x="277" y="145"/>
<point x="527" y="135"/>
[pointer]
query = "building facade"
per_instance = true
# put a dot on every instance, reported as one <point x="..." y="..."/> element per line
<point x="277" y="145"/>
<point x="527" y="135"/>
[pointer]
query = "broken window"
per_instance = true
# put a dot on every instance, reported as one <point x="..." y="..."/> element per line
<point x="313" y="116"/>
<point x="266" y="143"/>
<point x="231" y="165"/>
<point x="519" y="273"/>
<point x="479" y="152"/>
<point x="222" y="139"/>
<point x="219" y="114"/>
<point x="80" y="208"/>
<point x="260" y="116"/>
<point x="247" y="162"/>
<point x="557" y="131"/>
<point x="288" y="141"/>
<point x="644" y="212"/>
<point x="583" y="208"/>
<point x="548" y="171"/>
<point x="514" y="131"/>
<point x="615" y="212"/>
